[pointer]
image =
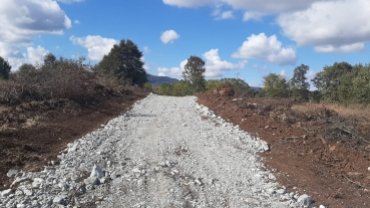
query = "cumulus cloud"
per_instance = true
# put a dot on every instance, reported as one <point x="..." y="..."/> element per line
<point x="256" y="16"/>
<point x="146" y="49"/>
<point x="145" y="66"/>
<point x="324" y="26"/>
<point x="36" y="55"/>
<point x="266" y="48"/>
<point x="216" y="67"/>
<point x="77" y="22"/>
<point x="174" y="71"/>
<point x="96" y="46"/>
<point x="220" y="15"/>
<point x="169" y="36"/>
<point x="265" y="6"/>
<point x="260" y="68"/>
<point x="69" y="1"/>
<point x="283" y="74"/>
<point x="341" y="49"/>
<point x="310" y="74"/>
<point x="225" y="15"/>
<point x="22" y="20"/>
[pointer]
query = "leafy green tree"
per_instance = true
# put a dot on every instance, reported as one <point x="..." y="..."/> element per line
<point x="4" y="68"/>
<point x="212" y="83"/>
<point x="124" y="63"/>
<point x="240" y="86"/>
<point x="361" y="85"/>
<point x="299" y="85"/>
<point x="329" y="79"/>
<point x="50" y="60"/>
<point x="26" y="69"/>
<point x="194" y="73"/>
<point x="182" y="88"/>
<point x="275" y="86"/>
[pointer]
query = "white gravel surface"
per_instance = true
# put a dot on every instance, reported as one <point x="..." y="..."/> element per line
<point x="162" y="153"/>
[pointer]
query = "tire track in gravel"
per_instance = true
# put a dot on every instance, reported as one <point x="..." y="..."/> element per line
<point x="163" y="153"/>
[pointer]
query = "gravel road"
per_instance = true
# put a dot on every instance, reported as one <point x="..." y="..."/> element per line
<point x="165" y="152"/>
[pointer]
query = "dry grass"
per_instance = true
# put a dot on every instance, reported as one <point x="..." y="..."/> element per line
<point x="357" y="110"/>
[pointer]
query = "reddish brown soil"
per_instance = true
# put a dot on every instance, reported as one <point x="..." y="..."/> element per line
<point x="34" y="133"/>
<point x="307" y="159"/>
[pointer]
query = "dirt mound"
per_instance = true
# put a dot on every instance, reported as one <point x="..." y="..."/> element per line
<point x="32" y="134"/>
<point x="315" y="150"/>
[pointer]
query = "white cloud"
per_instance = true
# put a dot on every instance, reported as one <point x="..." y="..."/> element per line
<point x="36" y="55"/>
<point x="146" y="49"/>
<point x="174" y="71"/>
<point x="227" y="15"/>
<point x="145" y="66"/>
<point x="169" y="36"/>
<point x="215" y="67"/>
<point x="77" y="22"/>
<point x="22" y="20"/>
<point x="69" y="1"/>
<point x="266" y="48"/>
<point x="341" y="49"/>
<point x="283" y="74"/>
<point x="256" y="16"/>
<point x="310" y="75"/>
<point x="219" y="15"/>
<point x="96" y="46"/>
<point x="259" y="68"/>
<point x="325" y="26"/>
<point x="265" y="6"/>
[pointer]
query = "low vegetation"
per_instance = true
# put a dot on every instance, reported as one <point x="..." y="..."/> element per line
<point x="73" y="79"/>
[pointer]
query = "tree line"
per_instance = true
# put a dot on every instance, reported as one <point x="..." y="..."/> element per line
<point x="337" y="83"/>
<point x="73" y="79"/>
<point x="123" y="66"/>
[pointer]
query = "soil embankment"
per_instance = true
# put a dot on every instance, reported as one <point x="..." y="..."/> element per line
<point x="315" y="149"/>
<point x="33" y="134"/>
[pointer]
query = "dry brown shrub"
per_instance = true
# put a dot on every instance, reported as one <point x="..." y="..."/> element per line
<point x="225" y="89"/>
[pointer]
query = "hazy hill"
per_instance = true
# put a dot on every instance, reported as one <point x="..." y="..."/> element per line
<point x="157" y="80"/>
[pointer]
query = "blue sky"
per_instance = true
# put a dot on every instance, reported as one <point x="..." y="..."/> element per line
<point x="236" y="38"/>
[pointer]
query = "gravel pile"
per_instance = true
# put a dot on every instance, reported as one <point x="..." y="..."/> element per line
<point x="165" y="152"/>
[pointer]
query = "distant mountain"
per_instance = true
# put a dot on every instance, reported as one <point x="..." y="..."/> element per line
<point x="257" y="88"/>
<point x="157" y="80"/>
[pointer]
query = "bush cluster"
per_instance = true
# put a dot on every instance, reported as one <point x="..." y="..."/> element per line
<point x="72" y="79"/>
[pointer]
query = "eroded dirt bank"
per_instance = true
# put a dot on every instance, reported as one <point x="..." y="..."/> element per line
<point x="313" y="151"/>
<point x="33" y="134"/>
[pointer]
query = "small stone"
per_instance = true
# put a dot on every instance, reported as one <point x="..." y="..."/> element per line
<point x="272" y="177"/>
<point x="18" y="192"/>
<point x="12" y="173"/>
<point x="136" y="170"/>
<point x="281" y="191"/>
<point x="28" y="192"/>
<point x="92" y="181"/>
<point x="198" y="181"/>
<point x="97" y="172"/>
<point x="18" y="181"/>
<point x="321" y="206"/>
<point x="58" y="200"/>
<point x="6" y="192"/>
<point x="305" y="200"/>
<point x="271" y="191"/>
